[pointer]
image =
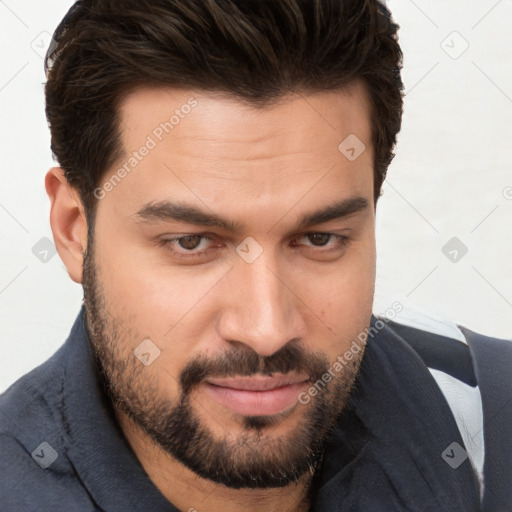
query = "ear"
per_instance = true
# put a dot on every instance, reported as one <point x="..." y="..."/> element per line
<point x="68" y="222"/>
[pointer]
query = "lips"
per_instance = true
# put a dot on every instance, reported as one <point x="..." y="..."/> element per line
<point x="257" y="395"/>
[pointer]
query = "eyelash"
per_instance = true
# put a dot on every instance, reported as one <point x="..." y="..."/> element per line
<point x="168" y="243"/>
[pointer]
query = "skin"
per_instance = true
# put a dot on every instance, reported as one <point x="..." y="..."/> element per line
<point x="263" y="168"/>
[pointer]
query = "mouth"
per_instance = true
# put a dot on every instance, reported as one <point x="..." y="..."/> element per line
<point x="257" y="395"/>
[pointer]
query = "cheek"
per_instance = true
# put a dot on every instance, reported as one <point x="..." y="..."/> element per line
<point x="132" y="282"/>
<point x="152" y="301"/>
<point x="343" y="298"/>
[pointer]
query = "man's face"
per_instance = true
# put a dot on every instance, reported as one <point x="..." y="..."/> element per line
<point x="240" y="321"/>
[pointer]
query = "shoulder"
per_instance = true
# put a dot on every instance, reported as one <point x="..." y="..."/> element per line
<point x="472" y="371"/>
<point x="29" y="407"/>
<point x="35" y="472"/>
<point x="452" y="348"/>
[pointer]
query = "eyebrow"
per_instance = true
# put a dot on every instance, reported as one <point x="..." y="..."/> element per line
<point x="190" y="214"/>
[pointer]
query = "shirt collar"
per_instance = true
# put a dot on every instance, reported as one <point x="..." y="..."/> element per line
<point x="98" y="450"/>
<point x="386" y="450"/>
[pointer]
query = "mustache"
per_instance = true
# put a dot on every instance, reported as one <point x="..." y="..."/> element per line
<point x="247" y="362"/>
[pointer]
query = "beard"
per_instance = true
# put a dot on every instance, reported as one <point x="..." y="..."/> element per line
<point x="250" y="459"/>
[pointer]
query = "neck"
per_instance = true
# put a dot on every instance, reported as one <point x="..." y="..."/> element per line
<point x="189" y="492"/>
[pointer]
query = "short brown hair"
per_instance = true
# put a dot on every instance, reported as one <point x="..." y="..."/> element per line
<point x="256" y="50"/>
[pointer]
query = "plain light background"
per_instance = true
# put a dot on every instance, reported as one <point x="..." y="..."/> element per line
<point x="452" y="177"/>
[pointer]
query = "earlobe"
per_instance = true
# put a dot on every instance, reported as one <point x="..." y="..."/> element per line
<point x="68" y="222"/>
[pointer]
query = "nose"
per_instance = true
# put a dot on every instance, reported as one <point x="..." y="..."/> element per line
<point x="261" y="310"/>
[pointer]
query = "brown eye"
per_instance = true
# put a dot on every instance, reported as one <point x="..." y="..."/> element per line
<point x="320" y="245"/>
<point x="319" y="239"/>
<point x="189" y="242"/>
<point x="189" y="246"/>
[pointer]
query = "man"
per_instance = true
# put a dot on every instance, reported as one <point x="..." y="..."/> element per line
<point x="220" y="166"/>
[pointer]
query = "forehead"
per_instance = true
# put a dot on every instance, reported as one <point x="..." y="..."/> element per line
<point x="219" y="151"/>
<point x="227" y="120"/>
